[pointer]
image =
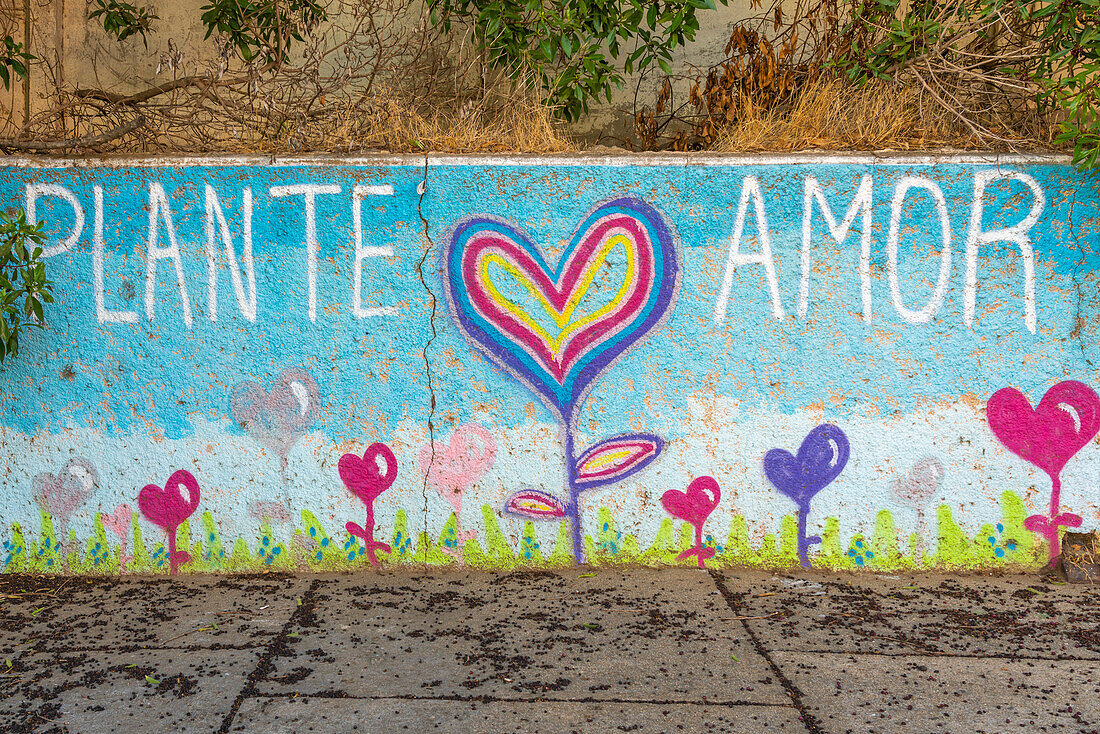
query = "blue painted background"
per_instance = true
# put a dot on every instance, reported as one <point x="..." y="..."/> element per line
<point x="138" y="397"/>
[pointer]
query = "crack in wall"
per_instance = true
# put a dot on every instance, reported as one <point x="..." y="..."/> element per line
<point x="422" y="190"/>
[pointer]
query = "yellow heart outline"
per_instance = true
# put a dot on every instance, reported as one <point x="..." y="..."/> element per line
<point x="561" y="319"/>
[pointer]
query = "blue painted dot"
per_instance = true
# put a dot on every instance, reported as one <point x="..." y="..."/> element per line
<point x="160" y="562"/>
<point x="221" y="553"/>
<point x="41" y="551"/>
<point x="362" y="550"/>
<point x="318" y="556"/>
<point x="1000" y="553"/>
<point x="261" y="552"/>
<point x="324" y="542"/>
<point x="46" y="542"/>
<point x="49" y="562"/>
<point x="606" y="526"/>
<point x="351" y="556"/>
<point x="859" y="561"/>
<point x="267" y="540"/>
<point x="870" y="555"/>
<point x="1011" y="545"/>
<point x="278" y="550"/>
<point x="851" y="553"/>
<point x="527" y="554"/>
<point x="212" y="537"/>
<point x="313" y="532"/>
<point x="992" y="540"/>
<point x="859" y="544"/>
<point x="1000" y="528"/>
<point x="97" y="547"/>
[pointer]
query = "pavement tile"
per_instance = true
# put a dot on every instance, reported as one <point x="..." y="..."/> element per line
<point x="135" y="612"/>
<point x="876" y="694"/>
<point x="83" y="692"/>
<point x="958" y="615"/>
<point x="637" y="634"/>
<point x="293" y="715"/>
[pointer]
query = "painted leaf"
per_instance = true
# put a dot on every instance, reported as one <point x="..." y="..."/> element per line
<point x="616" y="458"/>
<point x="534" y="504"/>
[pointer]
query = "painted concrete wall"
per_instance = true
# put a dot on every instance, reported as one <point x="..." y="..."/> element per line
<point x="839" y="361"/>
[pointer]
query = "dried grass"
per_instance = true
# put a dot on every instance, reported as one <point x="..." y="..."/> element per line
<point x="832" y="114"/>
<point x="514" y="123"/>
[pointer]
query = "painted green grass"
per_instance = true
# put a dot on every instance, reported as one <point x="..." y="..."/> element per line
<point x="309" y="547"/>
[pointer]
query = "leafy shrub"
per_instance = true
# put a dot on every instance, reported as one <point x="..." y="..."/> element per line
<point x="23" y="284"/>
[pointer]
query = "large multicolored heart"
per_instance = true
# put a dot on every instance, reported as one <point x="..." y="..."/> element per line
<point x="1063" y="423"/>
<point x="571" y="325"/>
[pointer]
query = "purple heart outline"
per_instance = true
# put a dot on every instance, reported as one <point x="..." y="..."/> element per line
<point x="821" y="458"/>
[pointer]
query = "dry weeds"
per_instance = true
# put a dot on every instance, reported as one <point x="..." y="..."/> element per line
<point x="832" y="114"/>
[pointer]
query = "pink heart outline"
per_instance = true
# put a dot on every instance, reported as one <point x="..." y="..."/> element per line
<point x="466" y="458"/>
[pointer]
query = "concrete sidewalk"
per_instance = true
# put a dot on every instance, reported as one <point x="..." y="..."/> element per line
<point x="615" y="650"/>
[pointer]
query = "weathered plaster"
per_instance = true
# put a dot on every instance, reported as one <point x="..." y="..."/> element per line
<point x="899" y="363"/>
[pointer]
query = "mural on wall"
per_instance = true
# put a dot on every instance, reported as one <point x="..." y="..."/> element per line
<point x="674" y="336"/>
<point x="559" y="328"/>
<point x="60" y="495"/>
<point x="917" y="488"/>
<point x="820" y="459"/>
<point x="1048" y="436"/>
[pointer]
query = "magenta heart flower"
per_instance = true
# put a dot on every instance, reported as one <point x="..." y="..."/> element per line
<point x="1047" y="436"/>
<point x="694" y="507"/>
<point x="366" y="480"/>
<point x="168" y="508"/>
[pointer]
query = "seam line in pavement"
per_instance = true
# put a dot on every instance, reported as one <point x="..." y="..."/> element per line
<point x="263" y="665"/>
<point x="499" y="699"/>
<point x="934" y="654"/>
<point x="808" y="720"/>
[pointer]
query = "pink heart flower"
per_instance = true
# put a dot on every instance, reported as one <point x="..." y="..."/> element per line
<point x="694" y="506"/>
<point x="168" y="508"/>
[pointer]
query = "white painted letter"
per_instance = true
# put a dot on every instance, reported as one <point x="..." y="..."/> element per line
<point x="361" y="253"/>
<point x="924" y="315"/>
<point x="102" y="315"/>
<point x="1016" y="234"/>
<point x="158" y="207"/>
<point x="750" y="187"/>
<point x="861" y="203"/>
<point x="309" y="192"/>
<point x="33" y="191"/>
<point x="214" y="209"/>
